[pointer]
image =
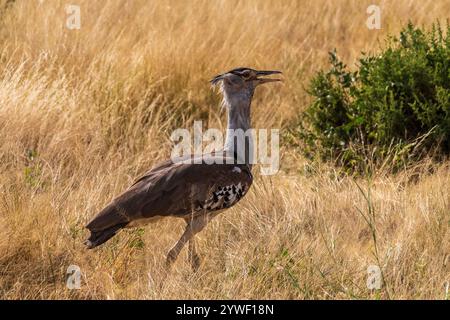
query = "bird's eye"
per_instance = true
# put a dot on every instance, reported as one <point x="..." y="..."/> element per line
<point x="245" y="74"/>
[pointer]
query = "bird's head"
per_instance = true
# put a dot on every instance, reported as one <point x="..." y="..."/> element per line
<point x="240" y="83"/>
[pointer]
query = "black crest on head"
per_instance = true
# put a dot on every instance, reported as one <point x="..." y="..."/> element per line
<point x="236" y="71"/>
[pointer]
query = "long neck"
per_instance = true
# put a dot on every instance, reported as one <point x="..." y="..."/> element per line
<point x="239" y="139"/>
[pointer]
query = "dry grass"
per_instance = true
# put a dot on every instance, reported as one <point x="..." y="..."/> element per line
<point x="83" y="112"/>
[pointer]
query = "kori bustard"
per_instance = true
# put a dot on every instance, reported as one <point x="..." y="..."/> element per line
<point x="194" y="188"/>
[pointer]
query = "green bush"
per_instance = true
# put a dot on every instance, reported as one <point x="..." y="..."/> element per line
<point x="396" y="104"/>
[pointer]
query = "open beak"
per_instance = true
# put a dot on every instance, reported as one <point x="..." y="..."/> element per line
<point x="266" y="73"/>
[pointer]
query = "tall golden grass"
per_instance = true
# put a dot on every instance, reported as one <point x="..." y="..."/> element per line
<point x="84" y="112"/>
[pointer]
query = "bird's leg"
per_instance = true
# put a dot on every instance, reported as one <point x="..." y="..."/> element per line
<point x="175" y="251"/>
<point x="195" y="225"/>
<point x="193" y="256"/>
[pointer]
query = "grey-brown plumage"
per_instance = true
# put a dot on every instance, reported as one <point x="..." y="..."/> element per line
<point x="195" y="188"/>
<point x="173" y="189"/>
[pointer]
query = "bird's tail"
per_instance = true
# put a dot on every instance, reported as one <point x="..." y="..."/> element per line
<point x="105" y="225"/>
